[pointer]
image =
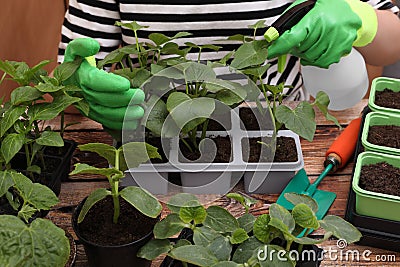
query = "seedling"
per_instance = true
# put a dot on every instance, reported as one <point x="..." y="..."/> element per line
<point x="130" y="154"/>
<point x="219" y="239"/>
<point x="26" y="240"/>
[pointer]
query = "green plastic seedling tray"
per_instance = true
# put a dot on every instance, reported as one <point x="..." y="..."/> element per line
<point x="379" y="118"/>
<point x="370" y="203"/>
<point x="379" y="84"/>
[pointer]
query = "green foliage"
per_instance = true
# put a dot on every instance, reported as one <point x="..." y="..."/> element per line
<point x="24" y="239"/>
<point x="249" y="59"/>
<point x="21" y="117"/>
<point x="219" y="239"/>
<point x="129" y="155"/>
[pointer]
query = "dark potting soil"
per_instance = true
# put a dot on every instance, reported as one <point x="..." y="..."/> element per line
<point x="285" y="150"/>
<point x="252" y="119"/>
<point x="387" y="98"/>
<point x="223" y="151"/>
<point x="98" y="226"/>
<point x="216" y="126"/>
<point x="380" y="178"/>
<point x="384" y="135"/>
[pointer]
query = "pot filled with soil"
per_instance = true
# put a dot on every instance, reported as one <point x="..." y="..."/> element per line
<point x="385" y="95"/>
<point x="381" y="133"/>
<point x="271" y="163"/>
<point x="109" y="244"/>
<point x="376" y="183"/>
<point x="204" y="169"/>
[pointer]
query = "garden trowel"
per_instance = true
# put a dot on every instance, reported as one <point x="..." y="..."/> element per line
<point x="337" y="156"/>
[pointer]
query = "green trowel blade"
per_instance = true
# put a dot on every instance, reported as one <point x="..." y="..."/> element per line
<point x="300" y="184"/>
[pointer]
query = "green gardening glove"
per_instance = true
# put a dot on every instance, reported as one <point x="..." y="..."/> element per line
<point x="327" y="32"/>
<point x="111" y="100"/>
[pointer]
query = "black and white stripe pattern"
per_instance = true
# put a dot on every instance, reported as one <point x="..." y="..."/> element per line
<point x="210" y="22"/>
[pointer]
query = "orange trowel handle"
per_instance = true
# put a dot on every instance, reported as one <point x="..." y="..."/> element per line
<point x="344" y="146"/>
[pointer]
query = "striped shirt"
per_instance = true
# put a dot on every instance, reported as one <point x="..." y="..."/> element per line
<point x="209" y="22"/>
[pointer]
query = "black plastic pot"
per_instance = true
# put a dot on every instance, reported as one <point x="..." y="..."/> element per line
<point x="65" y="153"/>
<point x="376" y="232"/>
<point x="112" y="255"/>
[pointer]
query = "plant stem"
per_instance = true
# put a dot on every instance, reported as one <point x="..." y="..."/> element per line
<point x="186" y="144"/>
<point x="204" y="129"/>
<point x="288" y="245"/>
<point x="114" y="190"/>
<point x="62" y="114"/>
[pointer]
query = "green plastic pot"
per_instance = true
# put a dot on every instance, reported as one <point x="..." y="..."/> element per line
<point x="370" y="203"/>
<point x="379" y="84"/>
<point x="379" y="118"/>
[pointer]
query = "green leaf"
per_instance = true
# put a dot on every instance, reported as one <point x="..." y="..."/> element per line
<point x="169" y="226"/>
<point x="142" y="200"/>
<point x="66" y="69"/>
<point x="189" y="113"/>
<point x="39" y="244"/>
<point x="246" y="222"/>
<point x="83" y="168"/>
<point x="322" y="101"/>
<point x="220" y="220"/>
<point x="11" y="145"/>
<point x="280" y="213"/>
<point x="177" y="201"/>
<point x="113" y="57"/>
<point x="296" y="198"/>
<point x="246" y="201"/>
<point x="92" y="199"/>
<point x="159" y="38"/>
<point x="305" y="217"/>
<point x="258" y="25"/>
<point x="106" y="151"/>
<point x="9" y="118"/>
<point x="182" y="242"/>
<point x="26" y="212"/>
<point x="221" y="248"/>
<point x="135" y="153"/>
<point x="194" y="213"/>
<point x="262" y="230"/>
<point x="196" y="255"/>
<point x="50" y="138"/>
<point x="340" y="228"/>
<point x="154" y="248"/>
<point x="245" y="250"/>
<point x="226" y="264"/>
<point x="48" y="111"/>
<point x="6" y="181"/>
<point x="36" y="194"/>
<point x="155" y="114"/>
<point x="204" y="235"/>
<point x="134" y="26"/>
<point x="312" y="241"/>
<point x="48" y="88"/>
<point x="25" y="94"/>
<point x="250" y="54"/>
<point x="300" y="120"/>
<point x="197" y="72"/>
<point x="239" y="236"/>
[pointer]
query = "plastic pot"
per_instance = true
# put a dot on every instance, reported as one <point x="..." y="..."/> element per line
<point x="370" y="203"/>
<point x="380" y="84"/>
<point x="111" y="255"/>
<point x="374" y="119"/>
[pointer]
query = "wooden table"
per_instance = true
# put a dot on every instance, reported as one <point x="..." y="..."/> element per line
<point x="77" y="187"/>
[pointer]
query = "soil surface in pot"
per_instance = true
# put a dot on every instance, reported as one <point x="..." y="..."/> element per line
<point x="285" y="150"/>
<point x="98" y="226"/>
<point x="223" y="151"/>
<point x="252" y="119"/>
<point x="384" y="135"/>
<point x="380" y="178"/>
<point x="387" y="98"/>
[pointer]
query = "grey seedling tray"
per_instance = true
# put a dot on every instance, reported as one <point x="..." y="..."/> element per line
<point x="218" y="178"/>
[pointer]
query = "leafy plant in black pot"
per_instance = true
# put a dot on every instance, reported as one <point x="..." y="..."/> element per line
<point x="42" y="151"/>
<point x="26" y="239"/>
<point x="114" y="223"/>
<point x="219" y="239"/>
